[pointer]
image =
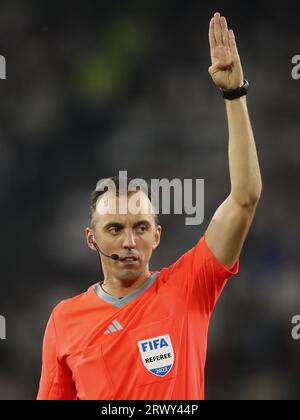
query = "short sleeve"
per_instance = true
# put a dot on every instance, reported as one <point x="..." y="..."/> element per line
<point x="200" y="276"/>
<point x="56" y="380"/>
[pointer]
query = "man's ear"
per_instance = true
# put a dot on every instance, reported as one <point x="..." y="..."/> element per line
<point x="157" y="237"/>
<point x="89" y="238"/>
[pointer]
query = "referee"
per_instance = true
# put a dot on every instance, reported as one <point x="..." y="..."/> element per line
<point x="139" y="334"/>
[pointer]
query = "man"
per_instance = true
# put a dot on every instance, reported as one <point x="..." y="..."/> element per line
<point x="139" y="334"/>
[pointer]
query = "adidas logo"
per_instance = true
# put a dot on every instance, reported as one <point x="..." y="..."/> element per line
<point x="113" y="327"/>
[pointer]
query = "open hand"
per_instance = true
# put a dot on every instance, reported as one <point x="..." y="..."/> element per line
<point x="226" y="69"/>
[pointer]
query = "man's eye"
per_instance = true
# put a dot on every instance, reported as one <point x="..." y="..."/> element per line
<point x="114" y="229"/>
<point x="142" y="228"/>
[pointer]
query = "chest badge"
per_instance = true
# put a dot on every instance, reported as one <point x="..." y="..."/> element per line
<point x="157" y="354"/>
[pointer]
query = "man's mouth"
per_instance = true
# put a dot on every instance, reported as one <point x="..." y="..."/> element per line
<point x="129" y="259"/>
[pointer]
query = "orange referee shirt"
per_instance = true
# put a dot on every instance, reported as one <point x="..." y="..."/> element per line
<point x="150" y="344"/>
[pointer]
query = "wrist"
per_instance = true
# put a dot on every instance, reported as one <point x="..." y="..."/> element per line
<point x="241" y="100"/>
<point x="233" y="94"/>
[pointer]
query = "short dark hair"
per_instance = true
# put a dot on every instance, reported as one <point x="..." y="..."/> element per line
<point x="102" y="187"/>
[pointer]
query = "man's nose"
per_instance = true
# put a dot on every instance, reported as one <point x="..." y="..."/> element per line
<point x="129" y="242"/>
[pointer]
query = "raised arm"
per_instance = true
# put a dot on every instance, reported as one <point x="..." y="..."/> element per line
<point x="230" y="224"/>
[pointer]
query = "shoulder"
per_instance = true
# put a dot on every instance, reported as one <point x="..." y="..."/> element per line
<point x="198" y="253"/>
<point x="71" y="306"/>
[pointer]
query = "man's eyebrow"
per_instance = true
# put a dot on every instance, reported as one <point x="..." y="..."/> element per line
<point x="142" y="222"/>
<point x="120" y="225"/>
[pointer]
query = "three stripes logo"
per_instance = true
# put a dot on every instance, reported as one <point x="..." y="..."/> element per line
<point x="113" y="327"/>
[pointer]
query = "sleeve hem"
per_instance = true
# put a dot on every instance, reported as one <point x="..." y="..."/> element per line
<point x="221" y="267"/>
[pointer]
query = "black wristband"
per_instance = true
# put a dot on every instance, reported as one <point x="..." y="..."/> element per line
<point x="232" y="94"/>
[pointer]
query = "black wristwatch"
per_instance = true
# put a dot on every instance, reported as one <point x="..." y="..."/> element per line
<point x="232" y="94"/>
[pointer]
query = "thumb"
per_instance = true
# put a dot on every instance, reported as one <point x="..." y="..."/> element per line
<point x="214" y="68"/>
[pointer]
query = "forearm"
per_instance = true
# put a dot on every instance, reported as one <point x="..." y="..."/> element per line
<point x="244" y="169"/>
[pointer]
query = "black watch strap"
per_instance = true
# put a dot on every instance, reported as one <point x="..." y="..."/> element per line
<point x="232" y="94"/>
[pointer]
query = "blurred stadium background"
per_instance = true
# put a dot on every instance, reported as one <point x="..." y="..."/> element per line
<point x="96" y="87"/>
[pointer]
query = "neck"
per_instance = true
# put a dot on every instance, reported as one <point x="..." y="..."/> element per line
<point x="121" y="287"/>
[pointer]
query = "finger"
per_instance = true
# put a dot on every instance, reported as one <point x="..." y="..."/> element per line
<point x="224" y="29"/>
<point x="211" y="34"/>
<point x="217" y="29"/>
<point x="233" y="46"/>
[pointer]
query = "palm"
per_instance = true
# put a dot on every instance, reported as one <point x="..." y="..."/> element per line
<point x="226" y="70"/>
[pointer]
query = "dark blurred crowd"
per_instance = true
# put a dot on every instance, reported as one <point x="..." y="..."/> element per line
<point x="97" y="87"/>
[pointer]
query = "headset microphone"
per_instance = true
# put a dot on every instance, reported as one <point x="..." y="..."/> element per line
<point x="112" y="256"/>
